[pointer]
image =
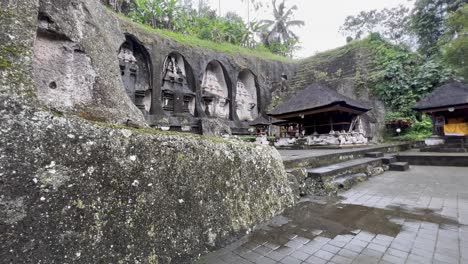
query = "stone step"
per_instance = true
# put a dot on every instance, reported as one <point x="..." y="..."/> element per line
<point x="445" y="149"/>
<point x="387" y="160"/>
<point x="434" y="158"/>
<point x="375" y="154"/>
<point x="343" y="168"/>
<point x="455" y="139"/>
<point x="399" y="166"/>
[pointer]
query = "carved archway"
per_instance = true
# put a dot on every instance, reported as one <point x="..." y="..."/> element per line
<point x="135" y="69"/>
<point x="216" y="92"/>
<point x="177" y="89"/>
<point x="247" y="107"/>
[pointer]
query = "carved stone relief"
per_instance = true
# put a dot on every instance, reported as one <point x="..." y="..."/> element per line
<point x="215" y="93"/>
<point x="63" y="72"/>
<point x="246" y="97"/>
<point x="135" y="73"/>
<point x="177" y="96"/>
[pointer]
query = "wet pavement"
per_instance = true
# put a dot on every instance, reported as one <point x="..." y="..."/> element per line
<point x="417" y="216"/>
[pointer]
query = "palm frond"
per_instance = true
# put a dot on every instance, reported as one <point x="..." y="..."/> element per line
<point x="293" y="23"/>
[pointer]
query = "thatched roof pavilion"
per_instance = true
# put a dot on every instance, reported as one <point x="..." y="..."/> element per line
<point x="260" y="121"/>
<point x="317" y="98"/>
<point x="448" y="106"/>
<point x="453" y="94"/>
<point x="320" y="109"/>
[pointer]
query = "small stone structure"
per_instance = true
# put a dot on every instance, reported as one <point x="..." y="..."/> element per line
<point x="340" y="138"/>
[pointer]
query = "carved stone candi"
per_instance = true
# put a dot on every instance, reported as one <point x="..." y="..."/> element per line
<point x="246" y="97"/>
<point x="215" y="101"/>
<point x="177" y="97"/>
<point x="135" y="72"/>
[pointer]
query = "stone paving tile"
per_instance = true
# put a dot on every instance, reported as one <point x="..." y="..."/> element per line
<point x="324" y="254"/>
<point x="315" y="260"/>
<point x="397" y="253"/>
<point x="393" y="259"/>
<point x="355" y="248"/>
<point x="364" y="259"/>
<point x="372" y="253"/>
<point x="300" y="255"/>
<point x="377" y="247"/>
<point x="275" y="255"/>
<point x="309" y="249"/>
<point x="265" y="260"/>
<point x="263" y="250"/>
<point x="348" y="253"/>
<point x="291" y="260"/>
<point x="251" y="256"/>
<point x="331" y="248"/>
<point x="341" y="260"/>
<point x="419" y="259"/>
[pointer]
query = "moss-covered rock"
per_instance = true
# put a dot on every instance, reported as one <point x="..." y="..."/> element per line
<point x="75" y="191"/>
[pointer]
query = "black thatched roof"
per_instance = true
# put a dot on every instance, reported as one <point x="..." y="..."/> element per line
<point x="260" y="121"/>
<point x="450" y="94"/>
<point x="317" y="96"/>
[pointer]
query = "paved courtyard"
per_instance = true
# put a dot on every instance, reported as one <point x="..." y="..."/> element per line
<point x="418" y="216"/>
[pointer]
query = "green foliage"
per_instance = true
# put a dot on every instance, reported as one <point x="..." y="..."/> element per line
<point x="428" y="22"/>
<point x="403" y="78"/>
<point x="190" y="40"/>
<point x="280" y="39"/>
<point x="419" y="130"/>
<point x="175" y="16"/>
<point x="392" y="24"/>
<point x="455" y="51"/>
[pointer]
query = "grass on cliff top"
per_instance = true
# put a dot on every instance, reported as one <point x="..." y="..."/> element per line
<point x="370" y="43"/>
<point x="193" y="41"/>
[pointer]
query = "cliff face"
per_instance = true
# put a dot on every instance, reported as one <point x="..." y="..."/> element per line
<point x="77" y="68"/>
<point x="80" y="191"/>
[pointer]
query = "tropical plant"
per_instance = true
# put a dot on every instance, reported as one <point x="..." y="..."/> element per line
<point x="428" y="22"/>
<point x="392" y="24"/>
<point x="455" y="49"/>
<point x="403" y="77"/>
<point x="280" y="36"/>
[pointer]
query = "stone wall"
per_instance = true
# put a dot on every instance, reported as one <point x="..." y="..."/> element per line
<point x="80" y="191"/>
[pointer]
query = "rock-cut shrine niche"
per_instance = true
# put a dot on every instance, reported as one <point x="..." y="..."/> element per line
<point x="246" y="96"/>
<point x="135" y="71"/>
<point x="177" y="96"/>
<point x="215" y="93"/>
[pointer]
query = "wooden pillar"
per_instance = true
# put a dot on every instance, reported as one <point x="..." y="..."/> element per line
<point x="434" y="128"/>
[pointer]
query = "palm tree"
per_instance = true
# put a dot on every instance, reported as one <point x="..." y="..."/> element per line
<point x="280" y="28"/>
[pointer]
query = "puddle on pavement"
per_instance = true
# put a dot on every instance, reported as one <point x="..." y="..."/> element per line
<point x="309" y="219"/>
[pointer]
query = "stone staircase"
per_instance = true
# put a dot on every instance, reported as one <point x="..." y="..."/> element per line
<point x="335" y="176"/>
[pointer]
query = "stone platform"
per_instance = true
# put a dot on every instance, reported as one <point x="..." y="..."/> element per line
<point x="312" y="158"/>
<point x="434" y="158"/>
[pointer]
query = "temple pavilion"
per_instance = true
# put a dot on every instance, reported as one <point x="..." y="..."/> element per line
<point x="323" y="114"/>
<point x="448" y="107"/>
